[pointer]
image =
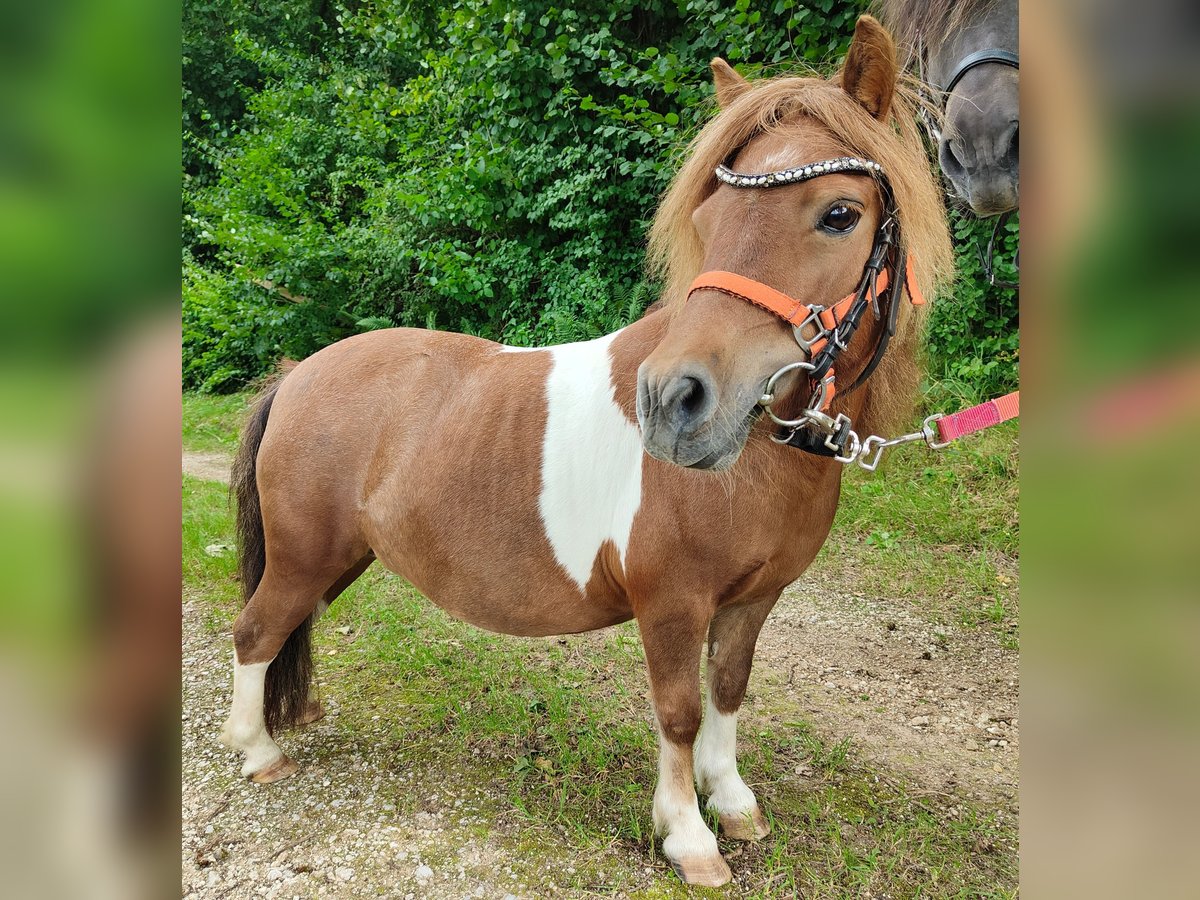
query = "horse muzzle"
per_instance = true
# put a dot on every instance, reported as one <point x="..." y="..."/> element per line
<point x="684" y="423"/>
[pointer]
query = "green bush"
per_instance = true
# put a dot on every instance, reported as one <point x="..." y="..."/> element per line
<point x="486" y="167"/>
<point x="973" y="339"/>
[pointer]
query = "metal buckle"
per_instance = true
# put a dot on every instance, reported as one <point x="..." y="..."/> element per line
<point x="873" y="447"/>
<point x="813" y="317"/>
<point x="871" y="454"/>
<point x="855" y="450"/>
<point x="840" y="437"/>
<point x="840" y="427"/>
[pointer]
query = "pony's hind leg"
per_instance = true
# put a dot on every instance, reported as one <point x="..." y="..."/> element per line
<point x="272" y="630"/>
<point x="731" y="639"/>
<point x="313" y="710"/>
<point x="672" y="645"/>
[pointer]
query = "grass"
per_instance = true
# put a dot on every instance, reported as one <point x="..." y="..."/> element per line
<point x="561" y="728"/>
<point x="211" y="422"/>
<point x="938" y="529"/>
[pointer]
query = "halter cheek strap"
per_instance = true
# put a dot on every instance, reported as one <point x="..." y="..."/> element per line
<point x="980" y="58"/>
<point x="796" y="313"/>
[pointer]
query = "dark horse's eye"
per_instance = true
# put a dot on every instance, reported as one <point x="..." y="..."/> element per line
<point x="840" y="219"/>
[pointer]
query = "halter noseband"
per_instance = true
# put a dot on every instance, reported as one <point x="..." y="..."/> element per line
<point x="993" y="55"/>
<point x="885" y="272"/>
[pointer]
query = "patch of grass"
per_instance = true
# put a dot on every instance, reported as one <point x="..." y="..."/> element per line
<point x="516" y="702"/>
<point x="211" y="422"/>
<point x="208" y="523"/>
<point x="940" y="528"/>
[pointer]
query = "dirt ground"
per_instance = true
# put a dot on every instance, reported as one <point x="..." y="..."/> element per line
<point x="938" y="704"/>
<point x="209" y="466"/>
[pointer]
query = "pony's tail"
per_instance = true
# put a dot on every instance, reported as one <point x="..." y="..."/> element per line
<point x="285" y="693"/>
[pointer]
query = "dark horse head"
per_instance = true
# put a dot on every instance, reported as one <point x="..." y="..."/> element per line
<point x="967" y="50"/>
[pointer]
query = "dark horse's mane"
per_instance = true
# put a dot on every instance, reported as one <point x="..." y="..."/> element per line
<point x="927" y="20"/>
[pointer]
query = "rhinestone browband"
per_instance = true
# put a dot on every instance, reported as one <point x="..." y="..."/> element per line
<point x="799" y="173"/>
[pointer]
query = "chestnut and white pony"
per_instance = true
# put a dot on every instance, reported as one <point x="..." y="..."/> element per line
<point x="563" y="489"/>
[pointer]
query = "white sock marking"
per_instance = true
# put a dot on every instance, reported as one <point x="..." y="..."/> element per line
<point x="676" y="814"/>
<point x="716" y="763"/>
<point x="591" y="459"/>
<point x="246" y="728"/>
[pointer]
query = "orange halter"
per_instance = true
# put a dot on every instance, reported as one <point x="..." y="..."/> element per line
<point x="799" y="314"/>
<point x="795" y="312"/>
<point x="831" y="327"/>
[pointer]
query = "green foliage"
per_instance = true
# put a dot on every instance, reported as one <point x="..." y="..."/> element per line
<point x="219" y="327"/>
<point x="483" y="166"/>
<point x="973" y="339"/>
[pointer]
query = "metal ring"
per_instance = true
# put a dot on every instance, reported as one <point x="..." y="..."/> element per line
<point x="855" y="449"/>
<point x="768" y="395"/>
<point x="871" y="454"/>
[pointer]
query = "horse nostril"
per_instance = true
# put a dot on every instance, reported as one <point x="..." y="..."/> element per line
<point x="691" y="398"/>
<point x="951" y="164"/>
<point x="687" y="400"/>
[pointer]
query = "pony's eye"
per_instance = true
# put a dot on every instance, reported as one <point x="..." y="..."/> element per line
<point x="840" y="219"/>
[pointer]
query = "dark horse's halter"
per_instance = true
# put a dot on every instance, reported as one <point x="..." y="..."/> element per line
<point x="980" y="58"/>
<point x="885" y="274"/>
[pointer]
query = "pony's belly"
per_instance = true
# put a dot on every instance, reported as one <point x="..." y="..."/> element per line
<point x="529" y="613"/>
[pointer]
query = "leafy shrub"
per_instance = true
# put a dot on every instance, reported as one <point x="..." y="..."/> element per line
<point x="973" y="339"/>
<point x="222" y="332"/>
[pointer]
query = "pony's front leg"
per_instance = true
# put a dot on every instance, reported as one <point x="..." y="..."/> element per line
<point x="672" y="645"/>
<point x="731" y="639"/>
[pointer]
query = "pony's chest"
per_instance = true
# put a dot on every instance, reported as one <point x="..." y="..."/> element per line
<point x="591" y="461"/>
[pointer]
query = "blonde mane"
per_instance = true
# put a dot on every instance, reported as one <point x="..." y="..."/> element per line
<point x="786" y="105"/>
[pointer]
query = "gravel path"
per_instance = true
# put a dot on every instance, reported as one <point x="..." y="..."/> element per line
<point x="209" y="466"/>
<point x="344" y="826"/>
<point x="938" y="703"/>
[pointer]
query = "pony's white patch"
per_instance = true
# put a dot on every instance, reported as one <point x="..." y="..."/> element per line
<point x="246" y="728"/>
<point x="676" y="816"/>
<point x="591" y="459"/>
<point x="716" y="763"/>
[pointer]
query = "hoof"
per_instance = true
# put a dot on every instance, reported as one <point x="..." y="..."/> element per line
<point x="747" y="826"/>
<point x="278" y="770"/>
<point x="313" y="712"/>
<point x="705" y="871"/>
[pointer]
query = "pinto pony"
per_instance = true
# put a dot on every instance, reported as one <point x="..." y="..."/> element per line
<point x="565" y="489"/>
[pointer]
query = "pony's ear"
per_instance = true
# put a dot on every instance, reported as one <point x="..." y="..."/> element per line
<point x="729" y="84"/>
<point x="870" y="72"/>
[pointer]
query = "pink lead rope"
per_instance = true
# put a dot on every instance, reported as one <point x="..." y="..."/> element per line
<point x="979" y="417"/>
<point x="868" y="453"/>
